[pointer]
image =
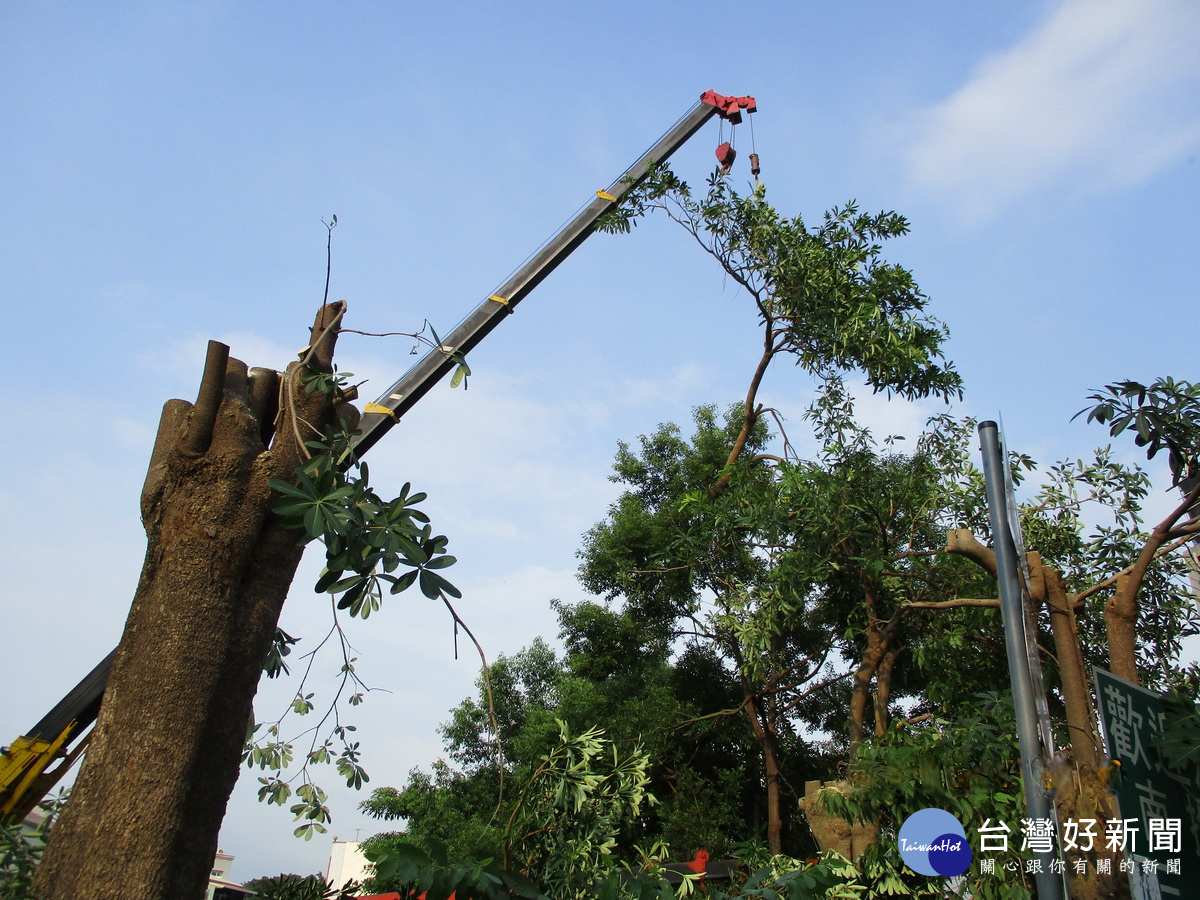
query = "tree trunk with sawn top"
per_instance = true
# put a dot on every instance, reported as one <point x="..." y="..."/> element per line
<point x="145" y="813"/>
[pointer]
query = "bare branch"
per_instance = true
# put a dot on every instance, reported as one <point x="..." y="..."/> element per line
<point x="952" y="604"/>
<point x="963" y="543"/>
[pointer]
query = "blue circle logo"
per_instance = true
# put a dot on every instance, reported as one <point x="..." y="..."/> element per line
<point x="933" y="842"/>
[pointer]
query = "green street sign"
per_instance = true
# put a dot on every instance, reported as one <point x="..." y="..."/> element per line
<point x="1160" y="805"/>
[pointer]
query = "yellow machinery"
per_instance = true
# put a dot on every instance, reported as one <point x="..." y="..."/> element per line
<point x="61" y="736"/>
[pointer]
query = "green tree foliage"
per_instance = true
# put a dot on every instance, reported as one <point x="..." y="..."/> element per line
<point x="825" y="295"/>
<point x="628" y="554"/>
<point x="826" y="298"/>
<point x="616" y="675"/>
<point x="429" y="873"/>
<point x="19" y="858"/>
<point x="801" y="577"/>
<point x="366" y="539"/>
<point x="1164" y="415"/>
<point x="583" y="794"/>
<point x="820" y="594"/>
<point x="21" y="848"/>
<point x="561" y="843"/>
<point x="300" y="887"/>
<point x="1087" y="520"/>
<point x="563" y="828"/>
<point x="825" y="586"/>
<point x="967" y="765"/>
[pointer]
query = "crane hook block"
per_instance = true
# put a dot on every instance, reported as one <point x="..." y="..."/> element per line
<point x="755" y="169"/>
<point x="725" y="156"/>
<point x="729" y="107"/>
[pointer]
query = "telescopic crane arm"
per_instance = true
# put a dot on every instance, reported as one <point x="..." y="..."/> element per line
<point x="25" y="773"/>
<point x="404" y="394"/>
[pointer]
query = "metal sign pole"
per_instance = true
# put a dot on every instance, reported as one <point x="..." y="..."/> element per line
<point x="1049" y="884"/>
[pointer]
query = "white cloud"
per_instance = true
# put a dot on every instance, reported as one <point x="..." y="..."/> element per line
<point x="1102" y="95"/>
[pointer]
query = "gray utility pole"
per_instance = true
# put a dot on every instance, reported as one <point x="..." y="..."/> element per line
<point x="1049" y="884"/>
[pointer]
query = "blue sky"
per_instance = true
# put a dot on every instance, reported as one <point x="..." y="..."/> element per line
<point x="166" y="167"/>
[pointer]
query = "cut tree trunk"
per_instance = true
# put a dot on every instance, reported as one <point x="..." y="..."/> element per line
<point x="145" y="813"/>
<point x="1077" y="697"/>
<point x="1080" y="788"/>
<point x="830" y="831"/>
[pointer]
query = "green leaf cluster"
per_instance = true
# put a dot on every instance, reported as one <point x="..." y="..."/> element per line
<point x="276" y="755"/>
<point x="433" y="874"/>
<point x="967" y="764"/>
<point x="366" y="538"/>
<point x="825" y="293"/>
<point x="567" y="819"/>
<point x="22" y="846"/>
<point x="1164" y="415"/>
<point x="300" y="887"/>
<point x="616" y="674"/>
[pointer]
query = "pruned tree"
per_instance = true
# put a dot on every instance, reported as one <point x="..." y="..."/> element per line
<point x="222" y="549"/>
<point x="1164" y="415"/>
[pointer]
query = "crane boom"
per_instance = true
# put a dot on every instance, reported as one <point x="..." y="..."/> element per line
<point x="415" y="383"/>
<point x="25" y="774"/>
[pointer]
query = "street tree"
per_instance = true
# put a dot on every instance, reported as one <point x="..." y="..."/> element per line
<point x="223" y="544"/>
<point x="825" y="297"/>
<point x="1083" y="526"/>
<point x="806" y="579"/>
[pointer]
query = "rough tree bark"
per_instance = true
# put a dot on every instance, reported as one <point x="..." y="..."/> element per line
<point x="883" y="691"/>
<point x="1077" y="696"/>
<point x="1121" y="611"/>
<point x="145" y="813"/>
<point x="860" y="691"/>
<point x="1080" y="783"/>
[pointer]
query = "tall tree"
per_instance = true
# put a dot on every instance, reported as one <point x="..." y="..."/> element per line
<point x="805" y="578"/>
<point x="826" y="299"/>
<point x="1164" y="415"/>
<point x="1080" y="525"/>
<point x="824" y="296"/>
